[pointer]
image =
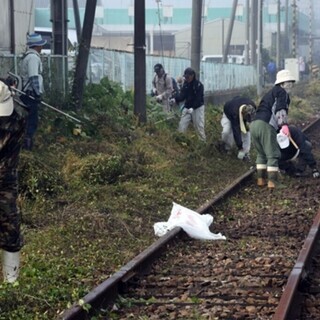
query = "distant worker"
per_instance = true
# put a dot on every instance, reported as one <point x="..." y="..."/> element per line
<point x="272" y="70"/>
<point x="32" y="84"/>
<point x="162" y="87"/>
<point x="192" y="94"/>
<point x="296" y="153"/>
<point x="271" y="117"/>
<point x="237" y="115"/>
<point x="12" y="125"/>
<point x="302" y="68"/>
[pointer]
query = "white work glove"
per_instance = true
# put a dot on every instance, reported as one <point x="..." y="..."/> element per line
<point x="159" y="98"/>
<point x="172" y="102"/>
<point x="190" y="110"/>
<point x="154" y="91"/>
<point x="241" y="155"/>
<point x="315" y="173"/>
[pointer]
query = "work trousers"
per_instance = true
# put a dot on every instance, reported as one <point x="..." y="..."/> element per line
<point x="264" y="139"/>
<point x="228" y="138"/>
<point x="198" y="120"/>
<point x="10" y="218"/>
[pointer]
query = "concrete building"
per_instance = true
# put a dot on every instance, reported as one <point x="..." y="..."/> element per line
<point x="17" y="20"/>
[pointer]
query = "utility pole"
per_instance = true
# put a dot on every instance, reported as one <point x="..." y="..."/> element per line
<point x="259" y="49"/>
<point x="286" y="32"/>
<point x="59" y="14"/>
<point x="196" y="35"/>
<point x="83" y="55"/>
<point x="228" y="40"/>
<point x="278" y="35"/>
<point x="311" y="18"/>
<point x="246" y="47"/>
<point x="294" y="29"/>
<point x="59" y="20"/>
<point x="140" y="61"/>
<point x="77" y="19"/>
<point x="254" y="31"/>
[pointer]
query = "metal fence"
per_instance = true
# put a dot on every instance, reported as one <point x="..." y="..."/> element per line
<point x="118" y="66"/>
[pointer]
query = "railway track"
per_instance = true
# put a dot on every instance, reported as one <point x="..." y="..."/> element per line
<point x="267" y="264"/>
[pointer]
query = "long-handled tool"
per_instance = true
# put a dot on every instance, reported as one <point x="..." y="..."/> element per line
<point x="47" y="105"/>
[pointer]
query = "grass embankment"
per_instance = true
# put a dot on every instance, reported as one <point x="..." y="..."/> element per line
<point x="89" y="201"/>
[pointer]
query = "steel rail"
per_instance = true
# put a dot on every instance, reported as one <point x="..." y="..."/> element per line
<point x="106" y="293"/>
<point x="289" y="306"/>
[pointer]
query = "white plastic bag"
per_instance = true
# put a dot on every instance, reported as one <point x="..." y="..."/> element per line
<point x="194" y="224"/>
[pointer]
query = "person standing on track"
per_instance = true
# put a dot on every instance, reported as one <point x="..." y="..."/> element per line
<point x="192" y="93"/>
<point x="271" y="117"/>
<point x="237" y="115"/>
<point x="13" y="116"/>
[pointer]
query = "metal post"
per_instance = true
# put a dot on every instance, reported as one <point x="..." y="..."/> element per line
<point x="259" y="47"/>
<point x="253" y="29"/>
<point x="140" y="61"/>
<point x="246" y="48"/>
<point x="294" y="29"/>
<point x="278" y="35"/>
<point x="77" y="19"/>
<point x="228" y="40"/>
<point x="310" y="58"/>
<point x="196" y="35"/>
<point x="286" y="33"/>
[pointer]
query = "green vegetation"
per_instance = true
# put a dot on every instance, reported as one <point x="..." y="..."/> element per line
<point x="90" y="195"/>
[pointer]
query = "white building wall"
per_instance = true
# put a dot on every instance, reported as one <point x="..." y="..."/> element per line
<point x="214" y="36"/>
<point x="23" y="23"/>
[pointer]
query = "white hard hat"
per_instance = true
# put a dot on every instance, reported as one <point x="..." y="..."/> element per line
<point x="284" y="76"/>
<point x="6" y="101"/>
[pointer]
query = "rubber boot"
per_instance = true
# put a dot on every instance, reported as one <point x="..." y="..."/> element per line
<point x="10" y="265"/>
<point x="273" y="180"/>
<point x="261" y="177"/>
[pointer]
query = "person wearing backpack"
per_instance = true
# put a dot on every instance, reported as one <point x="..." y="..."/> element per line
<point x="32" y="84"/>
<point x="162" y="87"/>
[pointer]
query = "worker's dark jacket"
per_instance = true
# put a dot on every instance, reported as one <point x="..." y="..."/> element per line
<point x="192" y="94"/>
<point x="12" y="130"/>
<point x="304" y="146"/>
<point x="272" y="102"/>
<point x="231" y="110"/>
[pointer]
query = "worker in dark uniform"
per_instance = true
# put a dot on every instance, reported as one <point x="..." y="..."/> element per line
<point x="12" y="131"/>
<point x="271" y="117"/>
<point x="192" y="94"/>
<point x="296" y="153"/>
<point x="237" y="115"/>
